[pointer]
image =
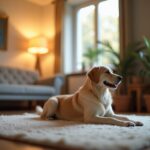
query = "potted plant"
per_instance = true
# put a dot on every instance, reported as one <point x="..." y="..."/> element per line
<point x="124" y="68"/>
<point x="144" y="56"/>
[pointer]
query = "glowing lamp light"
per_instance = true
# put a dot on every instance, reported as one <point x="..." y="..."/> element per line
<point x="37" y="50"/>
<point x="38" y="46"/>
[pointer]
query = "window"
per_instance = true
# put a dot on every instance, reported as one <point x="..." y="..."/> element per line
<point x="85" y="25"/>
<point x="108" y="25"/>
<point x="85" y="32"/>
<point x="96" y="22"/>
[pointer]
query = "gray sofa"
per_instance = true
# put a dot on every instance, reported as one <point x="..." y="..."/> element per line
<point x="18" y="84"/>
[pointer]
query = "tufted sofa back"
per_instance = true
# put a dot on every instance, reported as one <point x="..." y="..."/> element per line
<point x="10" y="75"/>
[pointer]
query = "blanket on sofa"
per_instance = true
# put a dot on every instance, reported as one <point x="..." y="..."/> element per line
<point x="30" y="128"/>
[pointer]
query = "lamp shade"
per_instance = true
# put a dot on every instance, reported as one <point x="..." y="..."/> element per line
<point x="38" y="45"/>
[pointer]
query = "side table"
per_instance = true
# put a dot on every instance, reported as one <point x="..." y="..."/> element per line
<point x="137" y="88"/>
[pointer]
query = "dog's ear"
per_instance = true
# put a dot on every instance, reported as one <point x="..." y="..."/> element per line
<point x="94" y="74"/>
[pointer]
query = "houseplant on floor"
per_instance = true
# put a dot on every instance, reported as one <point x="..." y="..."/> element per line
<point x="123" y="67"/>
<point x="144" y="56"/>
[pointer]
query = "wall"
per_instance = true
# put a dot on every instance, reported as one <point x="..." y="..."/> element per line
<point x="27" y="20"/>
<point x="48" y="29"/>
<point x="139" y="19"/>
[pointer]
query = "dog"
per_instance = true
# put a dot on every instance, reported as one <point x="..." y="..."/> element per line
<point x="91" y="103"/>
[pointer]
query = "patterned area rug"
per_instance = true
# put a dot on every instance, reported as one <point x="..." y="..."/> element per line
<point x="30" y="128"/>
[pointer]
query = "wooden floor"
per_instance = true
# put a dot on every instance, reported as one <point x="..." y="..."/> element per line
<point x="9" y="145"/>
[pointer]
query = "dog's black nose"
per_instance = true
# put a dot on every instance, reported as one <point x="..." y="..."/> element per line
<point x="119" y="78"/>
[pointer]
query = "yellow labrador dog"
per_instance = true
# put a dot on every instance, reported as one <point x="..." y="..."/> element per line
<point x="91" y="103"/>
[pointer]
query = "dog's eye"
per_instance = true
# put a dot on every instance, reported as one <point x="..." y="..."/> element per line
<point x="107" y="72"/>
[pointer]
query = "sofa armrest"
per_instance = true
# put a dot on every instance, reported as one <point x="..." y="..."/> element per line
<point x="57" y="82"/>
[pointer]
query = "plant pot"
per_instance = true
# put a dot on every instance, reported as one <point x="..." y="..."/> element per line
<point x="136" y="80"/>
<point x="147" y="102"/>
<point x="122" y="103"/>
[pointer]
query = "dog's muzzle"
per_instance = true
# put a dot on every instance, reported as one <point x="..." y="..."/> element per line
<point x="119" y="79"/>
<point x="113" y="85"/>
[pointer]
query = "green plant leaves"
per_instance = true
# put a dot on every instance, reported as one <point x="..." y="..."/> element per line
<point x="138" y="51"/>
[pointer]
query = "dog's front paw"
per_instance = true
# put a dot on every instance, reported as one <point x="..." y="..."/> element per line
<point x="129" y="124"/>
<point x="138" y="123"/>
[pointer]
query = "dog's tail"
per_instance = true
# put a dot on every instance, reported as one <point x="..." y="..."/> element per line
<point x="39" y="110"/>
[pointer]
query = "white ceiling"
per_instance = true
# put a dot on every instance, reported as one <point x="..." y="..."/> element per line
<point x="41" y="2"/>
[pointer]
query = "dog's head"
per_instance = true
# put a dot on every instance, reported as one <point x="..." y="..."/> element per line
<point x="103" y="76"/>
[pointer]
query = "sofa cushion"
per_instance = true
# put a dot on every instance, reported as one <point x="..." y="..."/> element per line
<point x="17" y="76"/>
<point x="26" y="89"/>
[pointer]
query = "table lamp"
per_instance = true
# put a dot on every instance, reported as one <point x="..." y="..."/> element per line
<point x="38" y="46"/>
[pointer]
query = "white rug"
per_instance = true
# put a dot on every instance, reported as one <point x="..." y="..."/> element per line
<point x="66" y="134"/>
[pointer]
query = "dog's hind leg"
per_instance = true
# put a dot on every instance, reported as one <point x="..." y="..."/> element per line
<point x="50" y="108"/>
